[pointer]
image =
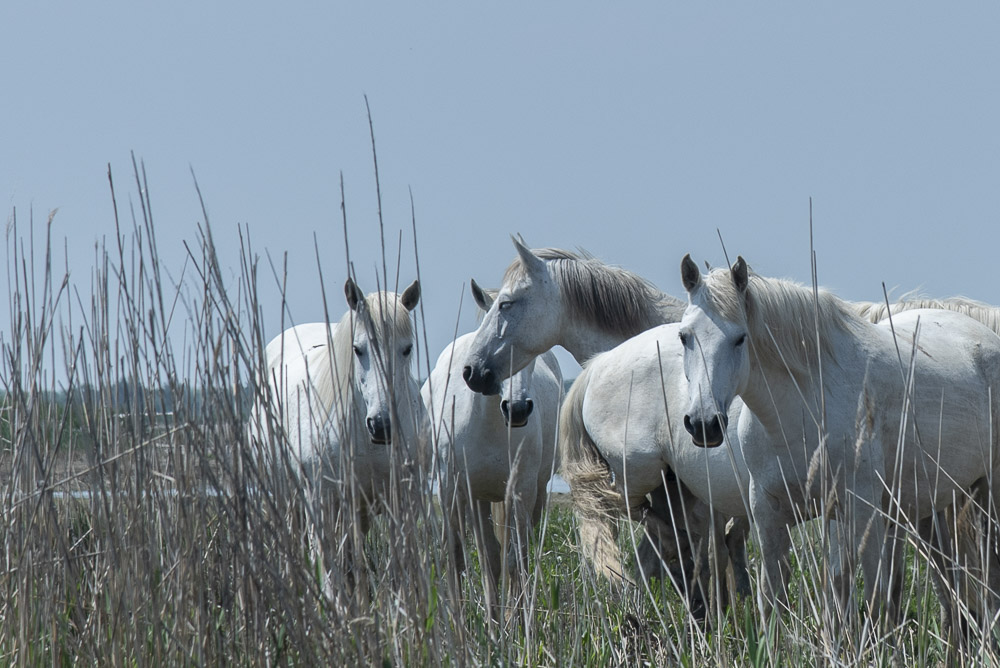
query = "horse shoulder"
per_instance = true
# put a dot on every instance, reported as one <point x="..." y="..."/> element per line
<point x="624" y="402"/>
<point x="446" y="375"/>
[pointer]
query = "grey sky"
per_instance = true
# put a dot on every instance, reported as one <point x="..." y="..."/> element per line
<point x="634" y="130"/>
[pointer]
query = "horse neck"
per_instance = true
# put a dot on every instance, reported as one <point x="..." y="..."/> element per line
<point x="766" y="394"/>
<point x="584" y="341"/>
<point x="603" y="306"/>
<point x="790" y="404"/>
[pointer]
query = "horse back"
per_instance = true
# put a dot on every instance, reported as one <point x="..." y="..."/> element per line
<point x="951" y="363"/>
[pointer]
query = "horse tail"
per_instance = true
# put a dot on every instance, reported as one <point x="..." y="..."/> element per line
<point x="596" y="501"/>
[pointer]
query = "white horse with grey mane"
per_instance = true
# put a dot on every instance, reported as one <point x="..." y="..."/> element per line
<point x="495" y="457"/>
<point x="896" y="418"/>
<point x="343" y="407"/>
<point x="554" y="297"/>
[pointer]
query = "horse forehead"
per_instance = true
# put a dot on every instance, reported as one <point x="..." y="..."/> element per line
<point x="706" y="320"/>
<point x="363" y="333"/>
<point x="518" y="286"/>
<point x="386" y="318"/>
<point x="698" y="308"/>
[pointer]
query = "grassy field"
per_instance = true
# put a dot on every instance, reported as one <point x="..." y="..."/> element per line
<point x="138" y="528"/>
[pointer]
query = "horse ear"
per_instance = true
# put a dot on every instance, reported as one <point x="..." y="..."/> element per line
<point x="483" y="300"/>
<point x="532" y="263"/>
<point x="411" y="296"/>
<point x="740" y="275"/>
<point x="690" y="275"/>
<point x="354" y="294"/>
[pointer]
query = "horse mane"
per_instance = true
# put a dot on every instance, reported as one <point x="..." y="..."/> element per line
<point x="610" y="298"/>
<point x="985" y="313"/>
<point x="781" y="318"/>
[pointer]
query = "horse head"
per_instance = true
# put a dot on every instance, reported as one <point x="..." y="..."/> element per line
<point x="521" y="322"/>
<point x="714" y="334"/>
<point x="382" y="343"/>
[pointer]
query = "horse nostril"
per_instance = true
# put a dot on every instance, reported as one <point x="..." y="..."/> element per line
<point x="531" y="406"/>
<point x="480" y="380"/>
<point x="379" y="429"/>
<point x="505" y="407"/>
<point x="688" y="426"/>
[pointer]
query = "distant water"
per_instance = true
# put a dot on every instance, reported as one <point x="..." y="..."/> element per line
<point x="556" y="485"/>
<point x="85" y="494"/>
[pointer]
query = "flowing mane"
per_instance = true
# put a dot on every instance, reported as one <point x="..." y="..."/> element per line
<point x="610" y="298"/>
<point x="781" y="317"/>
<point x="984" y="313"/>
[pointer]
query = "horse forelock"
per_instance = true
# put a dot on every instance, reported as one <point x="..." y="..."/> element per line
<point x="781" y="318"/>
<point x="610" y="298"/>
<point x="386" y="320"/>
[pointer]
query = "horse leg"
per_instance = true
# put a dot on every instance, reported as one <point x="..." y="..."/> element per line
<point x="358" y="560"/>
<point x="708" y="549"/>
<point x="679" y="551"/>
<point x="706" y="533"/>
<point x="940" y="532"/>
<point x="896" y="563"/>
<point x="522" y="497"/>
<point x="984" y="511"/>
<point x="678" y="539"/>
<point x="322" y="522"/>
<point x="771" y="518"/>
<point x="966" y="563"/>
<point x="868" y="531"/>
<point x="736" y="546"/>
<point x="660" y="550"/>
<point x="541" y="499"/>
<point x="454" y="504"/>
<point x="490" y="555"/>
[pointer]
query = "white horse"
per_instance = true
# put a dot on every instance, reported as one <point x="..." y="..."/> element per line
<point x="554" y="297"/>
<point x="896" y="418"/>
<point x="494" y="457"/>
<point x="628" y="404"/>
<point x="343" y="407"/>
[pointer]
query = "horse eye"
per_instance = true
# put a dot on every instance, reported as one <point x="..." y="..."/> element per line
<point x="505" y="305"/>
<point x="358" y="351"/>
<point x="740" y="341"/>
<point x="407" y="350"/>
<point x="684" y="339"/>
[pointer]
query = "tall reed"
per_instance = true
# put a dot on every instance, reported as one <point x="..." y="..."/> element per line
<point x="138" y="525"/>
